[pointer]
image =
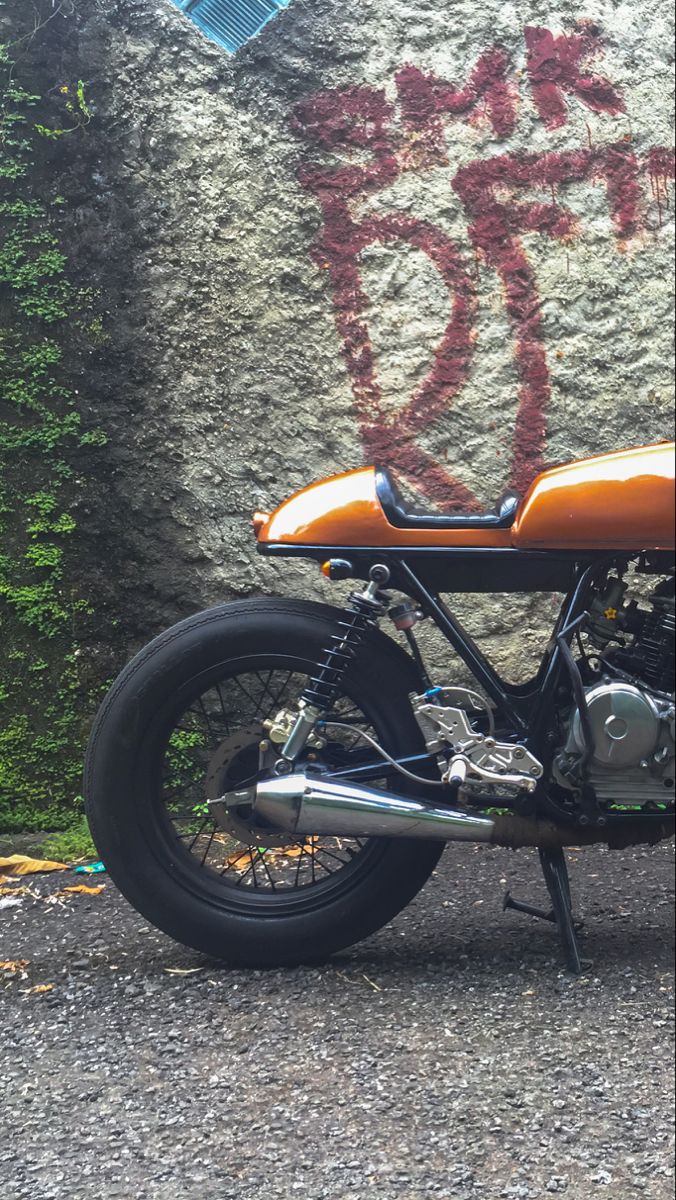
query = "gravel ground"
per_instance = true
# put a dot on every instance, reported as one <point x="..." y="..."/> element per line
<point x="448" y="1056"/>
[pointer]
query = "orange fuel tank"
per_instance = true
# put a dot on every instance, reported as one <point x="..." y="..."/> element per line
<point x="621" y="501"/>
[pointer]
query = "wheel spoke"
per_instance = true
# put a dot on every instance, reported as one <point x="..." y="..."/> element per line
<point x="222" y="704"/>
<point x="248" y="695"/>
<point x="261" y="855"/>
<point x="266" y="691"/>
<point x="199" y="833"/>
<point x="277" y="699"/>
<point x="329" y="854"/>
<point x="313" y="859"/>
<point x="203" y="716"/>
<point x="253" y="866"/>
<point x="233" y="707"/>
<point x="180" y="788"/>
<point x="241" y="879"/>
<point x="299" y="866"/>
<point x="209" y="845"/>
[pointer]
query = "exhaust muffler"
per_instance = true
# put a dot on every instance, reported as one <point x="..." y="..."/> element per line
<point x="310" y="804"/>
<point x="307" y="804"/>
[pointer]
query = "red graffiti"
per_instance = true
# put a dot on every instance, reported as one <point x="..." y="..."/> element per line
<point x="356" y="117"/>
<point x="425" y="99"/>
<point x="348" y="120"/>
<point x="494" y="228"/>
<point x="661" y="168"/>
<point x="555" y="66"/>
<point x="368" y="149"/>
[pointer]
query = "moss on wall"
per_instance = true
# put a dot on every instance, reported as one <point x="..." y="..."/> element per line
<point x="44" y="319"/>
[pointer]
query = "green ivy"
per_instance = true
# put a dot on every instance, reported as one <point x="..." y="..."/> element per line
<point x="41" y="613"/>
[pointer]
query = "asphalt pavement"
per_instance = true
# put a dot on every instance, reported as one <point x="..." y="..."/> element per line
<point x="450" y="1055"/>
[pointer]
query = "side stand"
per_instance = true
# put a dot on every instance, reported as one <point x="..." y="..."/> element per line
<point x="555" y="871"/>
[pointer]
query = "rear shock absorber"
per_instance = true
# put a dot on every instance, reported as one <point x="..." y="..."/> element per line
<point x="362" y="614"/>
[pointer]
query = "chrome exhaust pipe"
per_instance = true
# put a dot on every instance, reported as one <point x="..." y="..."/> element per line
<point x="310" y="804"/>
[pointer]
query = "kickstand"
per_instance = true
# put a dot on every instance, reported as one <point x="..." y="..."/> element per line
<point x="555" y="871"/>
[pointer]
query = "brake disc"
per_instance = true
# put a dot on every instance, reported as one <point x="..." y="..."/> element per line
<point x="223" y="776"/>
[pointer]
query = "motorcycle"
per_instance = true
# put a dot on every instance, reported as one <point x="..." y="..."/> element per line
<point x="273" y="780"/>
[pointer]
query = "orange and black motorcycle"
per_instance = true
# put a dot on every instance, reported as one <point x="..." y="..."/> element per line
<point x="274" y="779"/>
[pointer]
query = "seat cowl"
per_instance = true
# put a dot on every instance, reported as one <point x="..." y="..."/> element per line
<point x="403" y="516"/>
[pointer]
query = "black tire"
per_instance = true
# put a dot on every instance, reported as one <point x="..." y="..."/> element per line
<point x="149" y="870"/>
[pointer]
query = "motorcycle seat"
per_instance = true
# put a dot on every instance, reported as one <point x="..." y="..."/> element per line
<point x="403" y="515"/>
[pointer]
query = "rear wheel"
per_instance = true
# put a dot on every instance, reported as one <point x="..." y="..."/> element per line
<point x="183" y="725"/>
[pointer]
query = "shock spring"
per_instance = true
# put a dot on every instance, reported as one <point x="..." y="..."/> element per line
<point x="362" y="614"/>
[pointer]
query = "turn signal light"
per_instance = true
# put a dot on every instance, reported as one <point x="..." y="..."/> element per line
<point x="258" y="520"/>
<point x="337" y="568"/>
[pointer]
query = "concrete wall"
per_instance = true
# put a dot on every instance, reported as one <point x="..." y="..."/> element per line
<point x="437" y="234"/>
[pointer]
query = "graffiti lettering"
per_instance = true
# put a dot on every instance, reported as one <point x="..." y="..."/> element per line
<point x="376" y="142"/>
<point x="424" y="99"/>
<point x="494" y="228"/>
<point x="358" y="117"/>
<point x="555" y="66"/>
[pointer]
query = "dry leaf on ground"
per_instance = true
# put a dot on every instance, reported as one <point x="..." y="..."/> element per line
<point x="20" y="864"/>
<point x="14" y="965"/>
<point x="293" y="851"/>
<point x="182" y="970"/>
<point x="243" y="860"/>
<point x="39" y="989"/>
<point x="83" y="890"/>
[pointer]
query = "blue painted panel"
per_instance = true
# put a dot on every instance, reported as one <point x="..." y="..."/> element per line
<point x="231" y="22"/>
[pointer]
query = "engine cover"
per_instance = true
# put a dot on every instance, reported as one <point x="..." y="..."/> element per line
<point x="627" y="725"/>
<point x="634" y="750"/>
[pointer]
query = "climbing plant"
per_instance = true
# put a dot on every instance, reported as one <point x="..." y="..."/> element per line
<point x="42" y="316"/>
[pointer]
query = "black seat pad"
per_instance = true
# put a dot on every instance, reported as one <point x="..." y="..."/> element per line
<point x="404" y="516"/>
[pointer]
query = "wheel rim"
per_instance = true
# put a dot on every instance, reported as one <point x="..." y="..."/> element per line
<point x="302" y="871"/>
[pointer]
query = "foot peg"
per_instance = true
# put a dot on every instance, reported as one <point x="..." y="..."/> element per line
<point x="555" y="871"/>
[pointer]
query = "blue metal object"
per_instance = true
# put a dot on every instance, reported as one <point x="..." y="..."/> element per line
<point x="231" y="22"/>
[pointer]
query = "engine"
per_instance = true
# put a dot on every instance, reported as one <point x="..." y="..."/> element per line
<point x="629" y="700"/>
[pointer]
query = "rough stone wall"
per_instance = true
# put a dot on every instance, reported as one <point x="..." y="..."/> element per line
<point x="438" y="234"/>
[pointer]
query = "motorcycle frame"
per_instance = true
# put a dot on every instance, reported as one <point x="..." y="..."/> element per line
<point x="422" y="574"/>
